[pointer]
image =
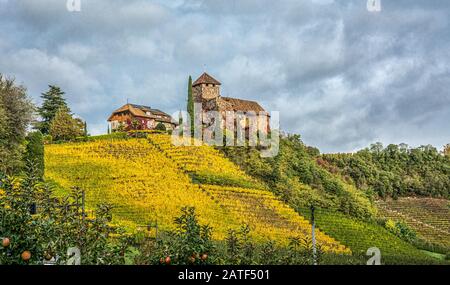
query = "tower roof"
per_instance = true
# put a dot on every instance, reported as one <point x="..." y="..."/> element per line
<point x="205" y="78"/>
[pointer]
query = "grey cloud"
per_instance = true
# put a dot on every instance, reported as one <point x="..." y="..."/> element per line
<point x="342" y="77"/>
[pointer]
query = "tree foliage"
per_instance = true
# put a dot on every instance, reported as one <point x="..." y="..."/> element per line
<point x="296" y="176"/>
<point x="395" y="170"/>
<point x="160" y="127"/>
<point x="35" y="153"/>
<point x="190" y="104"/>
<point x="447" y="150"/>
<point x="53" y="101"/>
<point x="16" y="113"/>
<point x="58" y="225"/>
<point x="64" y="127"/>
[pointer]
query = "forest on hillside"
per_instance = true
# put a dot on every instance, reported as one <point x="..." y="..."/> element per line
<point x="395" y="171"/>
<point x="377" y="171"/>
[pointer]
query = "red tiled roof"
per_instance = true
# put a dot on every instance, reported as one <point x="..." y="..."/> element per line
<point x="143" y="112"/>
<point x="205" y="78"/>
<point x="242" y="105"/>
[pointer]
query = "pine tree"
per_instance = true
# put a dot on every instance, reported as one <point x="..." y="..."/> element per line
<point x="53" y="101"/>
<point x="190" y="104"/>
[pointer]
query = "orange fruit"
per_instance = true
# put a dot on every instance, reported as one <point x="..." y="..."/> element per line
<point x="26" y="255"/>
<point x="6" y="242"/>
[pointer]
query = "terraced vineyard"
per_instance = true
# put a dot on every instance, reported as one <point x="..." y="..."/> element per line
<point x="204" y="163"/>
<point x="143" y="184"/>
<point x="429" y="217"/>
<point x="361" y="235"/>
<point x="267" y="215"/>
<point x="151" y="181"/>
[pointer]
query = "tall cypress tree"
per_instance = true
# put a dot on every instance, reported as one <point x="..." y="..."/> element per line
<point x="53" y="101"/>
<point x="85" y="129"/>
<point x="190" y="104"/>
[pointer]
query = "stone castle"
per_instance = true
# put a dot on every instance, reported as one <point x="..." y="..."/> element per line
<point x="206" y="91"/>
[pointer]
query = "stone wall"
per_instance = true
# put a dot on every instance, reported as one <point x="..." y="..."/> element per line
<point x="205" y="91"/>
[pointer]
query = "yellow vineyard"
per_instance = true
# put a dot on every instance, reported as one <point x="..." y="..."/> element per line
<point x="149" y="180"/>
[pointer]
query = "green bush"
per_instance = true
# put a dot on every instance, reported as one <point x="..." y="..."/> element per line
<point x="34" y="156"/>
<point x="48" y="139"/>
<point x="401" y="230"/>
<point x="57" y="226"/>
<point x="160" y="127"/>
<point x="189" y="244"/>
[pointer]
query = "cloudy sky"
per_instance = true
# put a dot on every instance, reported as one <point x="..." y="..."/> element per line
<point x="341" y="76"/>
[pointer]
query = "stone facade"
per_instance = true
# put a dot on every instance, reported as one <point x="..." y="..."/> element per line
<point x="206" y="91"/>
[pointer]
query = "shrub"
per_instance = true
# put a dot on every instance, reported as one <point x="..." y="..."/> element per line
<point x="34" y="156"/>
<point x="189" y="244"/>
<point x="47" y="139"/>
<point x="57" y="226"/>
<point x="401" y="230"/>
<point x="160" y="127"/>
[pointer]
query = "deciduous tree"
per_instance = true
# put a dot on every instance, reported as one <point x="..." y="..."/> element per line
<point x="16" y="113"/>
<point x="65" y="127"/>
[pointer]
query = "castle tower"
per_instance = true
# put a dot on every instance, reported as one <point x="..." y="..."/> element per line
<point x="205" y="88"/>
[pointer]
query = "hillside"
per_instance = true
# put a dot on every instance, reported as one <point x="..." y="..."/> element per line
<point x="343" y="211"/>
<point x="394" y="171"/>
<point x="423" y="215"/>
<point x="361" y="235"/>
<point x="149" y="180"/>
